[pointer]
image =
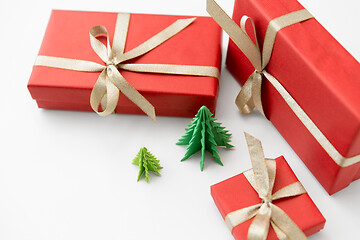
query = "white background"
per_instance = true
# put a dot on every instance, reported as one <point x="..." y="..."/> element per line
<point x="68" y="175"/>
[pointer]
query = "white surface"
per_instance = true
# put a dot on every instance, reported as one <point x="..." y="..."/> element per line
<point x="68" y="175"/>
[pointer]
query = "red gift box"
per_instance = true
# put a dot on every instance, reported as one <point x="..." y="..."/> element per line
<point x="320" y="75"/>
<point x="237" y="193"/>
<point x="67" y="36"/>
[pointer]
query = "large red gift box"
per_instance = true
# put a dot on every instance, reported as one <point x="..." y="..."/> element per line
<point x="237" y="193"/>
<point x="322" y="77"/>
<point x="67" y="36"/>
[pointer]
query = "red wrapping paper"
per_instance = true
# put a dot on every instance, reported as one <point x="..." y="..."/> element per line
<point x="67" y="36"/>
<point x="320" y="75"/>
<point x="237" y="193"/>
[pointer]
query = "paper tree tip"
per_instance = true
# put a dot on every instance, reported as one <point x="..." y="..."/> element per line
<point x="203" y="108"/>
<point x="147" y="163"/>
<point x="203" y="133"/>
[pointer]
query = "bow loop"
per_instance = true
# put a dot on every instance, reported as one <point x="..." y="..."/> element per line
<point x="266" y="200"/>
<point x="104" y="88"/>
<point x="104" y="52"/>
<point x="260" y="171"/>
<point x="243" y="25"/>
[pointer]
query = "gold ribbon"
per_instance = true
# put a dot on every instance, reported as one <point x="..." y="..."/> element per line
<point x="262" y="178"/>
<point x="249" y="97"/>
<point x="111" y="82"/>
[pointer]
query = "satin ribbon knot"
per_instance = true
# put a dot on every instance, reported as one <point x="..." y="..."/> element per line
<point x="266" y="213"/>
<point x="267" y="201"/>
<point x="110" y="81"/>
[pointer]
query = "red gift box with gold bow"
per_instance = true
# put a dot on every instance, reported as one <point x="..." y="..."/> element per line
<point x="266" y="202"/>
<point x="296" y="74"/>
<point x="73" y="72"/>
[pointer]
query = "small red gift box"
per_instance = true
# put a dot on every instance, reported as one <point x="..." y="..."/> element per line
<point x="237" y="193"/>
<point x="321" y="76"/>
<point x="67" y="36"/>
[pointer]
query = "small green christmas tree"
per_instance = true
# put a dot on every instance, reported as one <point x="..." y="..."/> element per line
<point x="203" y="133"/>
<point x="146" y="162"/>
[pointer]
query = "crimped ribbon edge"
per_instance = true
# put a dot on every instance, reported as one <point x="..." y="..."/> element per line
<point x="111" y="82"/>
<point x="249" y="97"/>
<point x="262" y="179"/>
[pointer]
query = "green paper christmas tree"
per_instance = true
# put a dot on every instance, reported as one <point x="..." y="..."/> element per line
<point x="146" y="162"/>
<point x="203" y="133"/>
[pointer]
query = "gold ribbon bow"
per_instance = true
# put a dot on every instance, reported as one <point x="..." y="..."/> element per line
<point x="249" y="97"/>
<point x="262" y="178"/>
<point x="111" y="82"/>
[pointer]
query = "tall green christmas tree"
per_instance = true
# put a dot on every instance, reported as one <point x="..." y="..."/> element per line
<point x="146" y="162"/>
<point x="203" y="133"/>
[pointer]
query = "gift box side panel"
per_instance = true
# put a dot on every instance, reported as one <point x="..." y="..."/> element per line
<point x="337" y="64"/>
<point x="305" y="81"/>
<point x="49" y="85"/>
<point x="357" y="176"/>
<point x="236" y="193"/>
<point x="174" y="108"/>
<point x="354" y="149"/>
<point x="317" y="64"/>
<point x="331" y="176"/>
<point x="166" y="104"/>
<point x="63" y="106"/>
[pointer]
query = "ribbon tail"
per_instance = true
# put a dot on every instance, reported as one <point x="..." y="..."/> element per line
<point x="244" y="100"/>
<point x="249" y="97"/>
<point x="285" y="224"/>
<point x="256" y="93"/>
<point x="104" y="87"/>
<point x="271" y="167"/>
<point x="239" y="37"/>
<point x="259" y="166"/>
<point x="279" y="233"/>
<point x="259" y="227"/>
<point x="131" y="93"/>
